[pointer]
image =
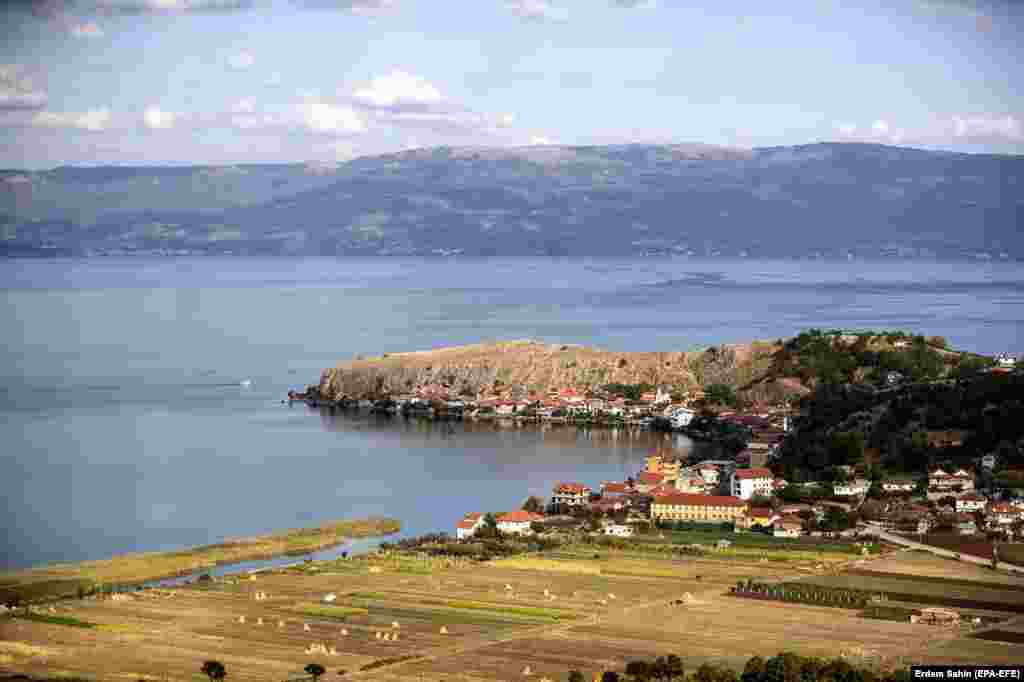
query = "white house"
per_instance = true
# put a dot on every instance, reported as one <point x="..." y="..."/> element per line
<point x="852" y="488"/>
<point x="518" y="522"/>
<point x="971" y="503"/>
<point x="989" y="461"/>
<point x="746" y="483"/>
<point x="1005" y="360"/>
<point x="469" y="525"/>
<point x="895" y="485"/>
<point x="682" y="417"/>
<point x="619" y="530"/>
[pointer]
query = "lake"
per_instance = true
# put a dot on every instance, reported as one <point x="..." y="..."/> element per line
<point x="140" y="399"/>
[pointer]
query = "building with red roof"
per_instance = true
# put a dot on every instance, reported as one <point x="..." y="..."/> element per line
<point x="747" y="483"/>
<point x="571" y="494"/>
<point x="518" y="522"/>
<point x="469" y="525"/>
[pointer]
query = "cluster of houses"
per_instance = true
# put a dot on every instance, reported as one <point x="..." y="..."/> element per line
<point x="725" y="491"/>
<point x="566" y="403"/>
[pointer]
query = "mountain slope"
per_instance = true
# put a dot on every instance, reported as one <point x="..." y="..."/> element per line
<point x="828" y="198"/>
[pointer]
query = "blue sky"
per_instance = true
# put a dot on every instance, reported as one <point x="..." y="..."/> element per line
<point x="242" y="81"/>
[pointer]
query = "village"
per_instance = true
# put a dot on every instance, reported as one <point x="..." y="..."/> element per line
<point x="743" y="495"/>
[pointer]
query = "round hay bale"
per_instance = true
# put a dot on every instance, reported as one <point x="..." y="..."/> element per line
<point x="241" y="619"/>
<point x="280" y="623"/>
<point x="395" y="624"/>
<point x="330" y="597"/>
<point x="444" y="630"/>
<point x="379" y="634"/>
<point x="344" y="632"/>
<point x="305" y="627"/>
<point x="527" y="670"/>
<point x="259" y="621"/>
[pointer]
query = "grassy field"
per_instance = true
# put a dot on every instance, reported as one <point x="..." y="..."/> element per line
<point x="468" y="622"/>
<point x="67" y="579"/>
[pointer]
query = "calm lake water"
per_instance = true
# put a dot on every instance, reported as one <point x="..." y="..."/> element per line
<point x="140" y="399"/>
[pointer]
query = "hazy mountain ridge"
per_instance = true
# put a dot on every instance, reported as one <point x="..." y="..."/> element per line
<point x="831" y="199"/>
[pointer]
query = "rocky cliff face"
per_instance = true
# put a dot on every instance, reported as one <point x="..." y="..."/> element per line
<point x="524" y="366"/>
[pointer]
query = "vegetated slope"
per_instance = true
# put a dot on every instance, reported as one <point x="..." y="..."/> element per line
<point x="534" y="366"/>
<point x="910" y="427"/>
<point x="612" y="200"/>
<point x="761" y="371"/>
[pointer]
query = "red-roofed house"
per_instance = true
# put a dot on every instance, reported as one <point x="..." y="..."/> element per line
<point x="610" y="488"/>
<point x="571" y="494"/>
<point x="747" y="483"/>
<point x="700" y="508"/>
<point x="518" y="522"/>
<point x="646" y="480"/>
<point x="971" y="503"/>
<point x="469" y="525"/>
<point x="1002" y="513"/>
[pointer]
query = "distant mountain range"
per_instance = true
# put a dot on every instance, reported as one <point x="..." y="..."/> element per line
<point x="826" y="200"/>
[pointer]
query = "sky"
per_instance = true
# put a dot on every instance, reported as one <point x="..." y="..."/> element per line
<point x="139" y="82"/>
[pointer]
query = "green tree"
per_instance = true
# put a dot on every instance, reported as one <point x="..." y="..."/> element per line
<point x="575" y="676"/>
<point x="214" y="670"/>
<point x="315" y="670"/>
<point x="533" y="504"/>
<point x="638" y="670"/>
<point x="754" y="671"/>
<point x="537" y="527"/>
<point x="846" y="448"/>
<point x="674" y="667"/>
<point x="720" y="394"/>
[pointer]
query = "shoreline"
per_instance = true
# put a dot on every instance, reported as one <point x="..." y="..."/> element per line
<point x="55" y="581"/>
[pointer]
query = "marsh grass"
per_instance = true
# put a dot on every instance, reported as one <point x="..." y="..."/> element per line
<point x="137" y="568"/>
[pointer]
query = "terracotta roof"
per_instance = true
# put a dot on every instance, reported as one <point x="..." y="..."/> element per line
<point x="608" y="487"/>
<point x="519" y="516"/>
<point x="650" y="478"/>
<point x="744" y="474"/>
<point x="760" y="512"/>
<point x="571" y="488"/>
<point x="973" y="498"/>
<point x="696" y="500"/>
<point x="790" y="521"/>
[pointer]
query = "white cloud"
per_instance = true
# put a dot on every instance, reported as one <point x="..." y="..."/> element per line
<point x="244" y="106"/>
<point x="156" y="119"/>
<point x="241" y="61"/>
<point x="89" y="29"/>
<point x="506" y="120"/>
<point x="93" y="120"/>
<point x="634" y="4"/>
<point x="985" y="129"/>
<point x="398" y="87"/>
<point x="323" y="117"/>
<point x="540" y="140"/>
<point x="17" y="91"/>
<point x="537" y="10"/>
<point x="1008" y="128"/>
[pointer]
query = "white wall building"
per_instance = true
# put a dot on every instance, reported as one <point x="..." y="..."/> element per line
<point x="746" y="483"/>
<point x="469" y="525"/>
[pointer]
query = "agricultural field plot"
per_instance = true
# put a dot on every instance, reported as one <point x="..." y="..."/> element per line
<point x="924" y="564"/>
<point x="951" y="593"/>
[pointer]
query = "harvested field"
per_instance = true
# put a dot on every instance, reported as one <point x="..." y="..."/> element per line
<point x="480" y="622"/>
<point x="1008" y="636"/>
<point x="958" y="594"/>
<point x="924" y="564"/>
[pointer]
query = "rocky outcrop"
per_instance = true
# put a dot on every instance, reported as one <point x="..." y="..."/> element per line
<point x="533" y="366"/>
